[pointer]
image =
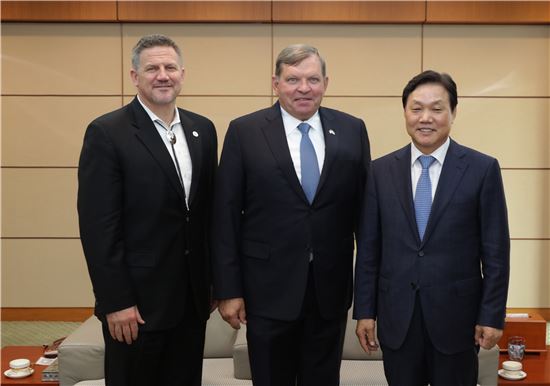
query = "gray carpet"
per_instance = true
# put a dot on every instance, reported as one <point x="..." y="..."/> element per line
<point x="34" y="333"/>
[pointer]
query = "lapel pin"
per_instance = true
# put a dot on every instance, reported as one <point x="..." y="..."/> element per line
<point x="331" y="132"/>
<point x="195" y="134"/>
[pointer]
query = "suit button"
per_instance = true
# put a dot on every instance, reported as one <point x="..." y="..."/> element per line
<point x="187" y="252"/>
<point x="187" y="219"/>
<point x="421" y="253"/>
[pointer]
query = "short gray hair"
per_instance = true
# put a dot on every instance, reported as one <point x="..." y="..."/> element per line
<point x="295" y="54"/>
<point x="150" y="41"/>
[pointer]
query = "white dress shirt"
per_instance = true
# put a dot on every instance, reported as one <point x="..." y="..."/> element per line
<point x="294" y="136"/>
<point x="435" y="169"/>
<point x="181" y="148"/>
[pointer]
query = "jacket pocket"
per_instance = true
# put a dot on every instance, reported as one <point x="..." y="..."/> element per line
<point x="255" y="249"/>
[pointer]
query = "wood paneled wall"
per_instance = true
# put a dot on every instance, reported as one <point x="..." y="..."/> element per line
<point x="275" y="11"/>
<point x="59" y="76"/>
<point x="349" y="11"/>
<point x="488" y="12"/>
<point x="194" y="11"/>
<point x="44" y="11"/>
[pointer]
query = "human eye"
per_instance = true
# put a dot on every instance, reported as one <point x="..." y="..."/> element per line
<point x="292" y="80"/>
<point x="314" y="80"/>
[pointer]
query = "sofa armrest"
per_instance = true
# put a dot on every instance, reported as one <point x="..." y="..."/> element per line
<point x="81" y="355"/>
<point x="488" y="366"/>
<point x="241" y="364"/>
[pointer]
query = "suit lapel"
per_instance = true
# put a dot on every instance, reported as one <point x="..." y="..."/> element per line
<point x="274" y="133"/>
<point x="401" y="177"/>
<point x="147" y="133"/>
<point x="194" y="143"/>
<point x="452" y="172"/>
<point x="330" y="131"/>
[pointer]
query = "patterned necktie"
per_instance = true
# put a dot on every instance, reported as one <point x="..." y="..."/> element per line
<point x="423" y="195"/>
<point x="308" y="162"/>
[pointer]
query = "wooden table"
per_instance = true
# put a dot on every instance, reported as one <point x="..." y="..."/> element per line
<point x="31" y="353"/>
<point x="536" y="365"/>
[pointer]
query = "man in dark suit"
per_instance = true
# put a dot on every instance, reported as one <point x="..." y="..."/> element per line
<point x="145" y="187"/>
<point x="434" y="276"/>
<point x="287" y="198"/>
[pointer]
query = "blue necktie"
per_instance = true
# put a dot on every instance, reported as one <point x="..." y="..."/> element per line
<point x="423" y="195"/>
<point x="308" y="162"/>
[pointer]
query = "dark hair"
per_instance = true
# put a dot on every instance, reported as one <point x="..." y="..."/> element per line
<point x="295" y="54"/>
<point x="150" y="41"/>
<point x="430" y="76"/>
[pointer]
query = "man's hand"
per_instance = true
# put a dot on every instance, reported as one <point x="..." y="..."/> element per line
<point x="366" y="335"/>
<point x="123" y="324"/>
<point x="487" y="337"/>
<point x="232" y="311"/>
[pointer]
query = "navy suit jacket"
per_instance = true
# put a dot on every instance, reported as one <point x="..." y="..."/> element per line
<point x="459" y="271"/>
<point x="264" y="227"/>
<point x="142" y="245"/>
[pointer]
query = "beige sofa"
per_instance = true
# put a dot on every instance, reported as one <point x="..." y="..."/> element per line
<point x="226" y="358"/>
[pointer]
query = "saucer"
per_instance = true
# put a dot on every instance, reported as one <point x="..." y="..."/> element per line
<point x="520" y="375"/>
<point x="17" y="374"/>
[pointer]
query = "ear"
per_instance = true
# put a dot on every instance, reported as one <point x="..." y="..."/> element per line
<point x="454" y="114"/>
<point x="134" y="76"/>
<point x="326" y="82"/>
<point x="275" y="84"/>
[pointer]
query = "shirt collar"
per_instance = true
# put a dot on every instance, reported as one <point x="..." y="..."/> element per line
<point x="291" y="123"/>
<point x="154" y="117"/>
<point x="439" y="154"/>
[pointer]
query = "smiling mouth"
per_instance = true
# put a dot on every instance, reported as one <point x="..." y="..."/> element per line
<point x="425" y="130"/>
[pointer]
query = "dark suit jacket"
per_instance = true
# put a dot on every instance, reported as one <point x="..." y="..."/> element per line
<point x="142" y="245"/>
<point x="468" y="225"/>
<point x="265" y="229"/>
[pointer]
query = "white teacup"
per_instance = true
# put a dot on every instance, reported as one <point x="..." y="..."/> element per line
<point x="20" y="366"/>
<point x="511" y="368"/>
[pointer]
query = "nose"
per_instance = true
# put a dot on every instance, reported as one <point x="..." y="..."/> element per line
<point x="162" y="73"/>
<point x="426" y="116"/>
<point x="303" y="86"/>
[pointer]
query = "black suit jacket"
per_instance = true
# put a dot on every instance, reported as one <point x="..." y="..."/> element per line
<point x="142" y="246"/>
<point x="265" y="229"/>
<point x="459" y="270"/>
